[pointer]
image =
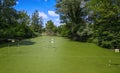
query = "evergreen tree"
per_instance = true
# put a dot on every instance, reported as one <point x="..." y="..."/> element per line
<point x="37" y="22"/>
<point x="8" y="18"/>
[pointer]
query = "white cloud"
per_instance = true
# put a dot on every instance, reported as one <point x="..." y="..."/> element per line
<point x="17" y="2"/>
<point x="57" y="23"/>
<point x="43" y="15"/>
<point x="46" y="0"/>
<point x="58" y="20"/>
<point x="52" y="13"/>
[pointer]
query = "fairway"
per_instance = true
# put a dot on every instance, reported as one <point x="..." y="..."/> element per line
<point x="39" y="55"/>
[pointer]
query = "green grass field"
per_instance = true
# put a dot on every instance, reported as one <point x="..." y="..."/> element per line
<point x="39" y="55"/>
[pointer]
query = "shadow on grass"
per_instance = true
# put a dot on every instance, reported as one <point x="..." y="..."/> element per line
<point x="26" y="42"/>
<point x="18" y="43"/>
<point x="3" y="45"/>
<point x="115" y="64"/>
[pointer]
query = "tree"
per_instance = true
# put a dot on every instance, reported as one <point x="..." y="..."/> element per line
<point x="24" y="18"/>
<point x="72" y="12"/>
<point x="106" y="19"/>
<point x="51" y="29"/>
<point x="23" y="29"/>
<point x="13" y="23"/>
<point x="8" y="17"/>
<point x="63" y="30"/>
<point x="37" y="22"/>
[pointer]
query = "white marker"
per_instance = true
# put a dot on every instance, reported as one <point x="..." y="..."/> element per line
<point x="117" y="50"/>
<point x="52" y="40"/>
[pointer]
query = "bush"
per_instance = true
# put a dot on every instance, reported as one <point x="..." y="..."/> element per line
<point x="85" y="34"/>
<point x="109" y="40"/>
<point x="106" y="44"/>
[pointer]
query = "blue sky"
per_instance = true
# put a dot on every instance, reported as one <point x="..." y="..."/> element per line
<point x="46" y="9"/>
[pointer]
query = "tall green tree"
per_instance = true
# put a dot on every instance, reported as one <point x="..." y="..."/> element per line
<point x="51" y="29"/>
<point x="13" y="23"/>
<point x="8" y="17"/>
<point x="24" y="18"/>
<point x="37" y="22"/>
<point x="106" y="18"/>
<point x="72" y="12"/>
<point x="23" y="27"/>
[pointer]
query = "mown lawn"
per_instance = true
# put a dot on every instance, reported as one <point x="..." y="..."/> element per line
<point x="39" y="55"/>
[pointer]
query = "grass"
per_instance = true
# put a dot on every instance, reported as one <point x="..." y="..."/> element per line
<point x="38" y="55"/>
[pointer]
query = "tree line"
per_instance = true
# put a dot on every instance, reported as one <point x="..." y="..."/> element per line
<point x="95" y="21"/>
<point x="17" y="24"/>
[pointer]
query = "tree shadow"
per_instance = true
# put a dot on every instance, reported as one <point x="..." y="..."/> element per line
<point x="3" y="45"/>
<point x="17" y="43"/>
<point x="26" y="42"/>
<point x="115" y="64"/>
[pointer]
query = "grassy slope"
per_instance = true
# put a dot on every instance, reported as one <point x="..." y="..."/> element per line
<point x="38" y="55"/>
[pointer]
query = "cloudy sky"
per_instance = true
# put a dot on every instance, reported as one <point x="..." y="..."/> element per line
<point x="46" y="9"/>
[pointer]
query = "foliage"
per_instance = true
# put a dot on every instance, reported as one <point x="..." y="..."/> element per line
<point x="72" y="12"/>
<point x="13" y="23"/>
<point x="24" y="25"/>
<point x="51" y="29"/>
<point x="106" y="17"/>
<point x="8" y="16"/>
<point x="85" y="33"/>
<point x="37" y="22"/>
<point x="63" y="30"/>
